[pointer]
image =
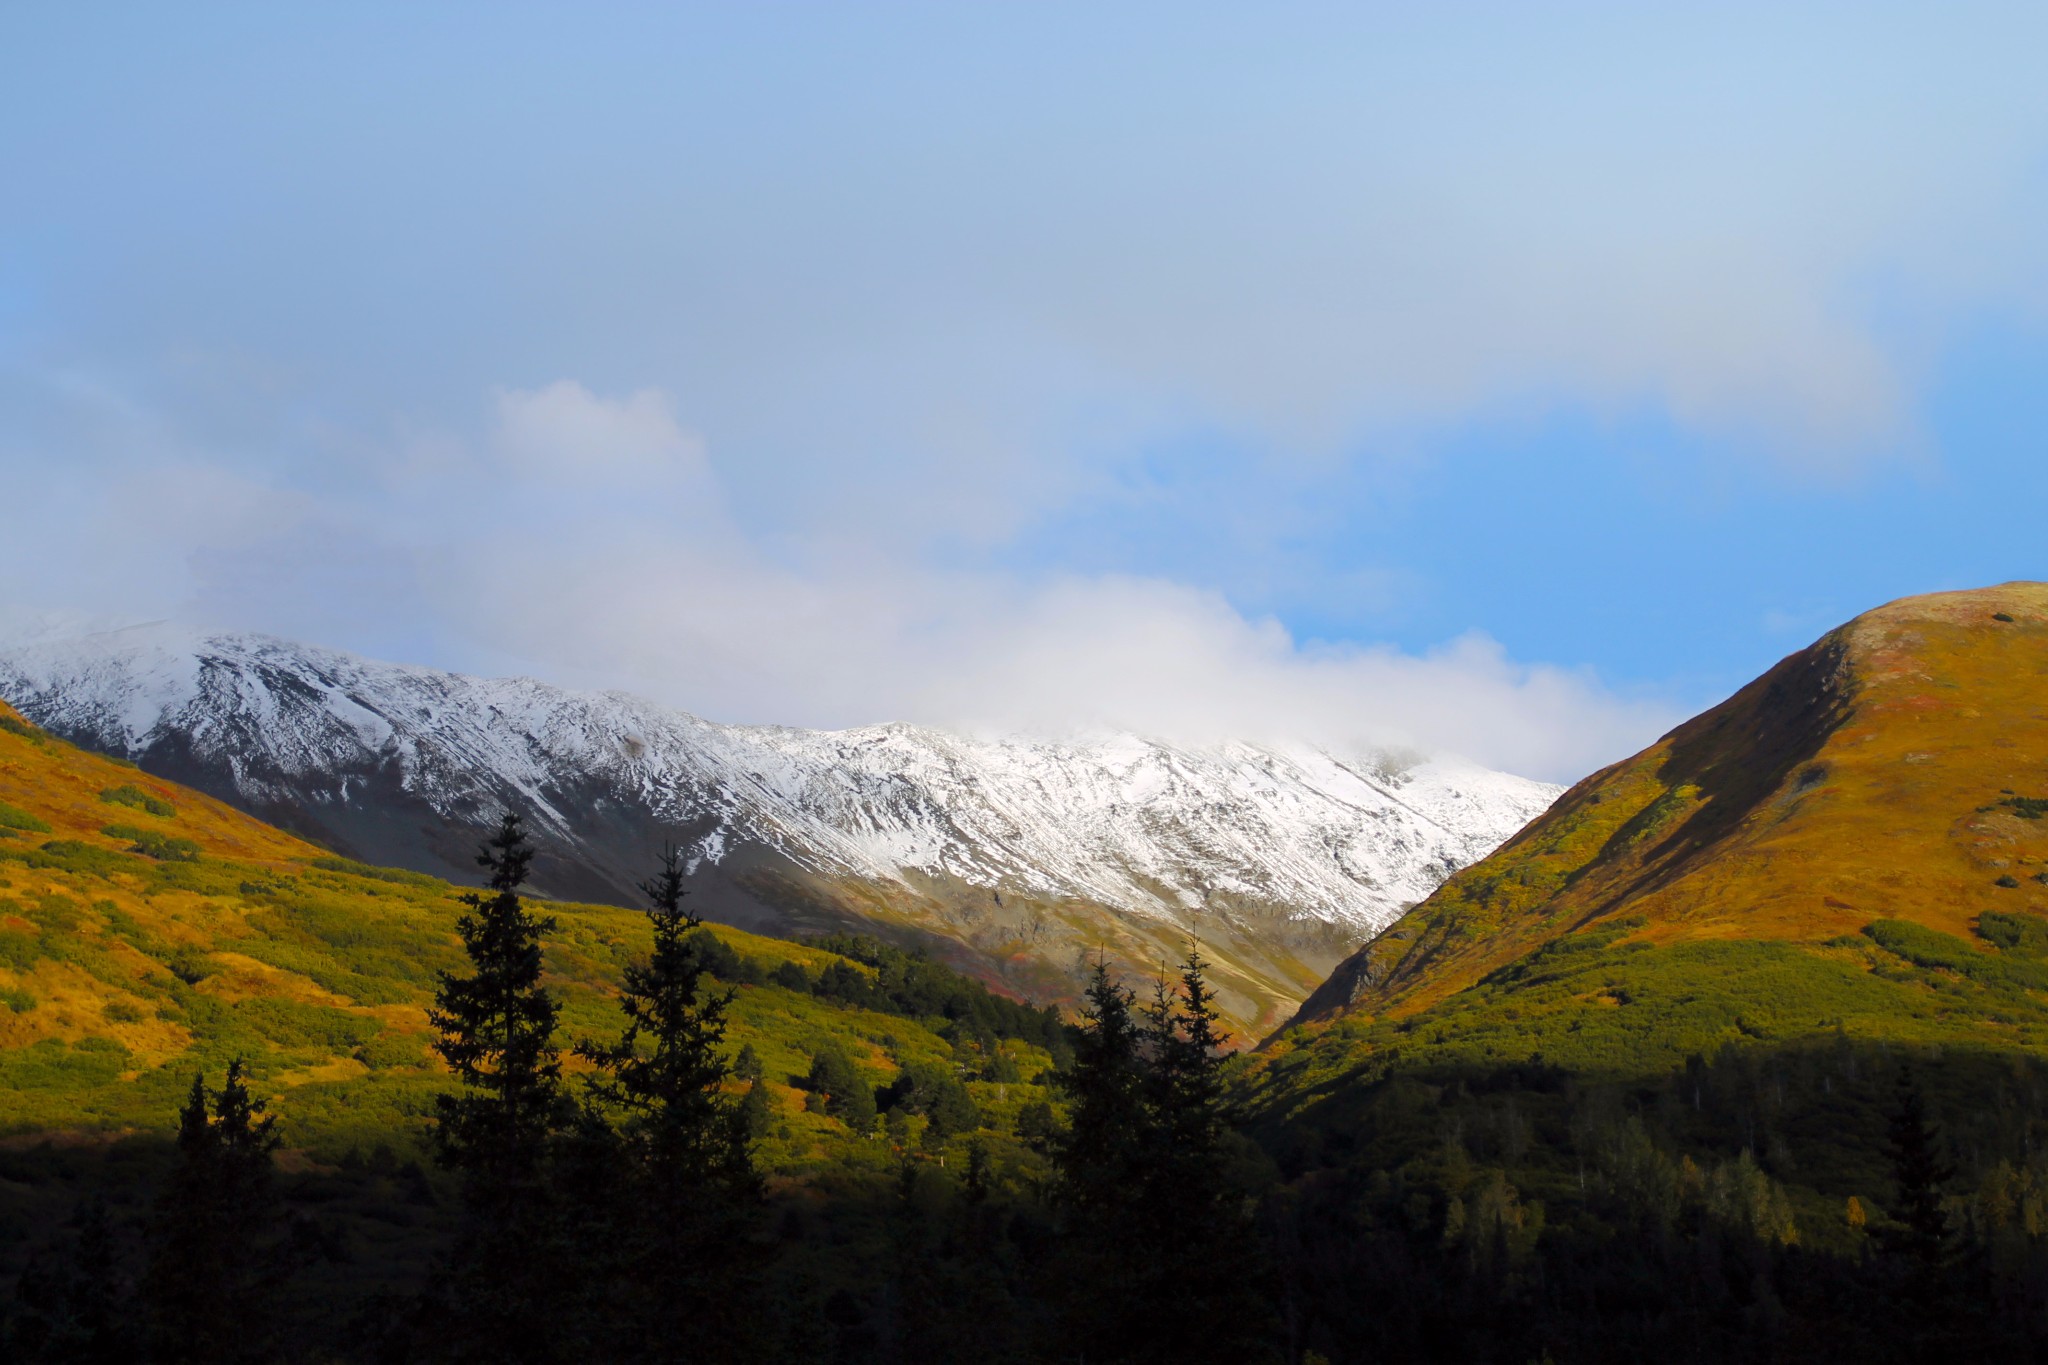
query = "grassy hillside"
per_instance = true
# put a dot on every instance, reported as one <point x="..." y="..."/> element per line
<point x="1649" y="1053"/>
<point x="1853" y="845"/>
<point x="147" y="931"/>
<point x="1895" y="769"/>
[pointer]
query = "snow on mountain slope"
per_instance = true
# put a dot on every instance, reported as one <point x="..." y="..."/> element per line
<point x="1134" y="824"/>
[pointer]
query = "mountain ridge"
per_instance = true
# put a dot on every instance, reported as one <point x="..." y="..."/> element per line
<point x="1720" y="829"/>
<point x="1022" y="856"/>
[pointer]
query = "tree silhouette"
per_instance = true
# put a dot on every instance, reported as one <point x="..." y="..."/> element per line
<point x="506" y="1285"/>
<point x="1919" y="1233"/>
<point x="215" y="1269"/>
<point x="689" y="1263"/>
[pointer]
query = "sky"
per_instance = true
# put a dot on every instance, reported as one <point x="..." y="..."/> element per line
<point x="1509" y="380"/>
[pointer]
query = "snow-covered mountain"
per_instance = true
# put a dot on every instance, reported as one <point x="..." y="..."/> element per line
<point x="1297" y="851"/>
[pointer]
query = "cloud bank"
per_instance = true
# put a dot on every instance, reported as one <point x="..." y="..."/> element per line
<point x="585" y="540"/>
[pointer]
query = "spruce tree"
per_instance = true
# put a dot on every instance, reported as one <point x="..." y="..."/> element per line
<point x="1204" y="1297"/>
<point x="497" y="1023"/>
<point x="690" y="1185"/>
<point x="1100" y="1151"/>
<point x="1159" y="1250"/>
<point x="1100" y="1158"/>
<point x="1919" y="1232"/>
<point x="214" y="1270"/>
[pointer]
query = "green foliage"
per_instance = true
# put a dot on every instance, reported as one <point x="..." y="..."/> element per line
<point x="293" y="1024"/>
<point x="935" y="1093"/>
<point x="2027" y="807"/>
<point x="1931" y="948"/>
<point x="396" y="875"/>
<point x="128" y="794"/>
<point x="912" y="985"/>
<point x="2015" y="933"/>
<point x="13" y="817"/>
<point x="838" y="1089"/>
<point x="386" y="1050"/>
<point x="18" y="951"/>
<point x="153" y="844"/>
<point x="721" y="960"/>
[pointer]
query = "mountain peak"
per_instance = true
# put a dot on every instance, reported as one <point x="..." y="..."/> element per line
<point x="1893" y="769"/>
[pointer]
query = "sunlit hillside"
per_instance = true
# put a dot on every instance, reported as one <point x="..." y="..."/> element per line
<point x="1896" y="770"/>
<point x="1842" y="866"/>
<point x="147" y="931"/>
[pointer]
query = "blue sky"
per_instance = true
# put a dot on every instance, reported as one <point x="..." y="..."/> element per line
<point x="1510" y="379"/>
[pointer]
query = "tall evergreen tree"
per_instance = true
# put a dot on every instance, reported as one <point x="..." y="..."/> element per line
<point x="1205" y="1296"/>
<point x="1919" y="1232"/>
<point x="1920" y="1262"/>
<point x="214" y="1270"/>
<point x="497" y="1023"/>
<point x="1101" y="1149"/>
<point x="1157" y="1245"/>
<point x="1100" y="1158"/>
<point x="690" y="1187"/>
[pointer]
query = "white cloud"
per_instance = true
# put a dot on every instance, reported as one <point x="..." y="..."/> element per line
<point x="564" y="430"/>
<point x="583" y="539"/>
<point x="714" y="623"/>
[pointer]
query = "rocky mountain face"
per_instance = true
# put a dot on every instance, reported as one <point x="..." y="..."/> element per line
<point x="1018" y="859"/>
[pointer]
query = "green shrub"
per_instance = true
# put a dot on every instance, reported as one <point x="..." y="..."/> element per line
<point x="390" y="1051"/>
<point x="13" y="817"/>
<point x="399" y="875"/>
<point x="2026" y="934"/>
<point x="121" y="1012"/>
<point x="16" y="999"/>
<point x="936" y="1093"/>
<point x="1924" y="947"/>
<point x="836" y="1088"/>
<point x="131" y="795"/>
<point x="190" y="966"/>
<point x="150" y="844"/>
<point x="22" y="728"/>
<point x="18" y="950"/>
<point x="294" y="1024"/>
<point x="2027" y="807"/>
<point x="2008" y="881"/>
<point x="722" y="961"/>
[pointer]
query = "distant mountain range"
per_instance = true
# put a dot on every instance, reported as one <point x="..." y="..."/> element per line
<point x="1018" y="859"/>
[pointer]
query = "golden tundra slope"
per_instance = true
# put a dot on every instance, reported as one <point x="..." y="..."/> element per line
<point x="148" y="932"/>
<point x="1895" y="769"/>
